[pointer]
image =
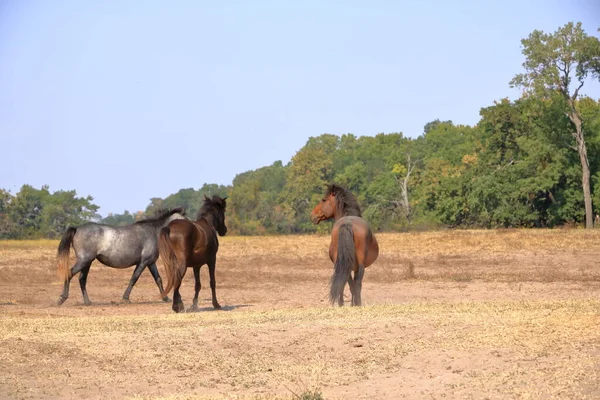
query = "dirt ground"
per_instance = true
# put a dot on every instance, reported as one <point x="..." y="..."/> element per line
<point x="456" y="314"/>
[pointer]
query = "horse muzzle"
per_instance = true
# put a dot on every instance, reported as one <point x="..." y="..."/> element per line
<point x="316" y="219"/>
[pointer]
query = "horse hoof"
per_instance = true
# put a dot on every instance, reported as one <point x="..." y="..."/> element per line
<point x="217" y="306"/>
<point x="87" y="303"/>
<point x="178" y="308"/>
<point x="193" y="309"/>
<point x="124" y="300"/>
<point x="60" y="301"/>
<point x="166" y="299"/>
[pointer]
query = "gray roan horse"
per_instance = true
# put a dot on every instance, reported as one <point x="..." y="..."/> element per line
<point x="114" y="246"/>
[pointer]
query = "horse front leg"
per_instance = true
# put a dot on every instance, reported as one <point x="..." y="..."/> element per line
<point x="213" y="283"/>
<point x="83" y="281"/>
<point x="197" y="287"/>
<point x="134" y="278"/>
<point x="154" y="271"/>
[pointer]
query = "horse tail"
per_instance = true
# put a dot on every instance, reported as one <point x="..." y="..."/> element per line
<point x="165" y="249"/>
<point x="346" y="258"/>
<point x="64" y="251"/>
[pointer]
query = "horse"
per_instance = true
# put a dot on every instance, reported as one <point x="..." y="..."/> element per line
<point x="114" y="246"/>
<point x="353" y="246"/>
<point x="185" y="243"/>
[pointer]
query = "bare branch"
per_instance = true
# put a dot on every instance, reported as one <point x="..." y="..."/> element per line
<point x="576" y="93"/>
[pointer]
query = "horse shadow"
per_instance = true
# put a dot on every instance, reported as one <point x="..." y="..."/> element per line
<point x="223" y="308"/>
<point x="150" y="302"/>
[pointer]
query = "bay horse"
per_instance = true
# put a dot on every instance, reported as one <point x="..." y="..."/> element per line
<point x="114" y="246"/>
<point x="185" y="243"/>
<point x="353" y="246"/>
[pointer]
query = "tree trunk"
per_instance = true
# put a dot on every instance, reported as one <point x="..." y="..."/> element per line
<point x="404" y="188"/>
<point x="585" y="165"/>
<point x="405" y="203"/>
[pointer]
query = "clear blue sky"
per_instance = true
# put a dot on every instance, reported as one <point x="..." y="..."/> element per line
<point x="127" y="100"/>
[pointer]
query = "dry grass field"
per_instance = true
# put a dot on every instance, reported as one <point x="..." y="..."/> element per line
<point x="456" y="314"/>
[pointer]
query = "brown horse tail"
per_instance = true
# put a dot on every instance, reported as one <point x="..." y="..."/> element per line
<point x="64" y="251"/>
<point x="169" y="259"/>
<point x="346" y="258"/>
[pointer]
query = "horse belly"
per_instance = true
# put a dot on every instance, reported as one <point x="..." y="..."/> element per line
<point x="372" y="253"/>
<point x="116" y="261"/>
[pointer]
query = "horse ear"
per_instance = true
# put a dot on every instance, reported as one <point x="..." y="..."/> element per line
<point x="224" y="198"/>
<point x="206" y="198"/>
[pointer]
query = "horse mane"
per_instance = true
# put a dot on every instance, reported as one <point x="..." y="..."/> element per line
<point x="345" y="201"/>
<point x="209" y="203"/>
<point x="161" y="214"/>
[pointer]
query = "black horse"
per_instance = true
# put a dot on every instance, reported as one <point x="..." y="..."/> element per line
<point x="186" y="243"/>
<point x="114" y="246"/>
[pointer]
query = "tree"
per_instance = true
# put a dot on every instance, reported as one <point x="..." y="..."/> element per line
<point x="552" y="63"/>
<point x="119" y="219"/>
<point x="402" y="175"/>
<point x="434" y="124"/>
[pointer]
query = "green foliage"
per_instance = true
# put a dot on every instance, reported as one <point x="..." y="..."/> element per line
<point x="554" y="60"/>
<point x="189" y="199"/>
<point x="37" y="213"/>
<point x="119" y="219"/>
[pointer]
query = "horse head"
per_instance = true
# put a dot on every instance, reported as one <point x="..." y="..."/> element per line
<point x="325" y="209"/>
<point x="216" y="207"/>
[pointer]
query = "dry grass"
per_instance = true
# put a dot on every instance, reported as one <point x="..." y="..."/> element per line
<point x="455" y="314"/>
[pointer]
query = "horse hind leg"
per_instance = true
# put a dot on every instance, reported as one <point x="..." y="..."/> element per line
<point x="177" y="302"/>
<point x="358" y="275"/>
<point x="154" y="271"/>
<point x="78" y="267"/>
<point x="83" y="281"/>
<point x="352" y="286"/>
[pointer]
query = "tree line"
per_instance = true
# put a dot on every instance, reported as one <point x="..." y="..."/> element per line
<point x="531" y="162"/>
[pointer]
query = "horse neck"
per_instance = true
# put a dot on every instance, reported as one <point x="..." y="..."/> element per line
<point x="345" y="212"/>
<point x="209" y="218"/>
<point x="337" y="214"/>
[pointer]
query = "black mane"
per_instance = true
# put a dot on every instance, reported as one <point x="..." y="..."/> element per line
<point x="215" y="202"/>
<point x="345" y="201"/>
<point x="161" y="215"/>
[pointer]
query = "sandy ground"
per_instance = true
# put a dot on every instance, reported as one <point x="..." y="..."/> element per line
<point x="476" y="314"/>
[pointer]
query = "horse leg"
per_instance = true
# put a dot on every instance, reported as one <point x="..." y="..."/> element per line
<point x="352" y="289"/>
<point x="82" y="282"/>
<point x="154" y="271"/>
<point x="358" y="275"/>
<point x="197" y="287"/>
<point x="177" y="302"/>
<point x="134" y="278"/>
<point x="79" y="265"/>
<point x="213" y="283"/>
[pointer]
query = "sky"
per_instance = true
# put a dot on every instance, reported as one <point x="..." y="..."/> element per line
<point x="128" y="100"/>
